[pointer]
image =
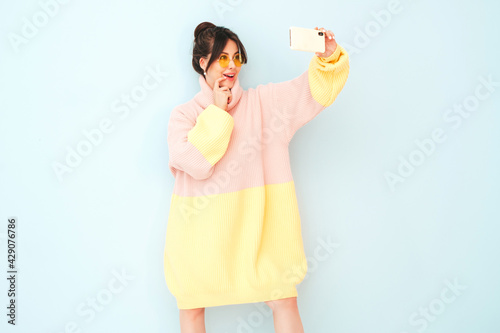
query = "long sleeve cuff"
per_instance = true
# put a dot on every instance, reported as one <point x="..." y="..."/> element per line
<point x="211" y="133"/>
<point x="327" y="76"/>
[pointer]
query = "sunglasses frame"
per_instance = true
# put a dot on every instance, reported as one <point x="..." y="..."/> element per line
<point x="240" y="60"/>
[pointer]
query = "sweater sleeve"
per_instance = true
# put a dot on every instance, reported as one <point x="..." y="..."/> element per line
<point x="196" y="145"/>
<point x="299" y="100"/>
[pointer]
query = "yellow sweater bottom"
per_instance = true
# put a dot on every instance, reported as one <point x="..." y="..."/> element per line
<point x="234" y="248"/>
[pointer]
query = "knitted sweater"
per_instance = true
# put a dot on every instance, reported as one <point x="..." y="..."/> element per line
<point x="234" y="232"/>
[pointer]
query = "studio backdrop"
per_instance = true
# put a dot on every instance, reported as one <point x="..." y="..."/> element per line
<point x="397" y="181"/>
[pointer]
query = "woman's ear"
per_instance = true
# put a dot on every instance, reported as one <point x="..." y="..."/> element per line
<point x="202" y="64"/>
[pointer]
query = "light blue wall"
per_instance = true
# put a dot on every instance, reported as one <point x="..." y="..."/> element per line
<point x="399" y="251"/>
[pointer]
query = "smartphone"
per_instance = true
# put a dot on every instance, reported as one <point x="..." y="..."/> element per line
<point x="309" y="40"/>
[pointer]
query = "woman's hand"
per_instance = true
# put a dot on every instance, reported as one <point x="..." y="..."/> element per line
<point x="222" y="95"/>
<point x="330" y="43"/>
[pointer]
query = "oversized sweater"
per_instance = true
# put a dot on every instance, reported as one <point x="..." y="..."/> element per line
<point x="234" y="230"/>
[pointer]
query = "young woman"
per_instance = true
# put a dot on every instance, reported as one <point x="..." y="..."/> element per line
<point x="234" y="232"/>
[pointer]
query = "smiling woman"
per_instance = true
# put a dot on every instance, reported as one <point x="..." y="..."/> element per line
<point x="218" y="54"/>
<point x="234" y="231"/>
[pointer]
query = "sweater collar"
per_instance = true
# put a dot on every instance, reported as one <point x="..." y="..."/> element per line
<point x="205" y="96"/>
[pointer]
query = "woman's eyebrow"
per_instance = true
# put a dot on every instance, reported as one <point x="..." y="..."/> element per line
<point x="228" y="53"/>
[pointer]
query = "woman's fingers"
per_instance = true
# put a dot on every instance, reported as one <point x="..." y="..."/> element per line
<point x="217" y="81"/>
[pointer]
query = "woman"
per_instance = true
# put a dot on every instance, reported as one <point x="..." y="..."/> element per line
<point x="234" y="232"/>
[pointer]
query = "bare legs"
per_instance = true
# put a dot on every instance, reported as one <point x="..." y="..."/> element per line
<point x="286" y="315"/>
<point x="192" y="320"/>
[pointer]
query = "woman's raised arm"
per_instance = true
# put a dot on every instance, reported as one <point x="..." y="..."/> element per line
<point x="296" y="102"/>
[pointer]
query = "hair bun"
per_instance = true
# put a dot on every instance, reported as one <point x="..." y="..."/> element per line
<point x="202" y="27"/>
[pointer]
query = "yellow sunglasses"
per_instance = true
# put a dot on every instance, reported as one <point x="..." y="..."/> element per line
<point x="224" y="60"/>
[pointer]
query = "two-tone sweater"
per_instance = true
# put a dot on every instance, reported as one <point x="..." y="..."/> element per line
<point x="234" y="230"/>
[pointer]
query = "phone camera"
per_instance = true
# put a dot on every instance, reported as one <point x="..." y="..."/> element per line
<point x="320" y="33"/>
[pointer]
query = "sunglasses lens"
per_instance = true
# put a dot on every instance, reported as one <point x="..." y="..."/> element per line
<point x="224" y="60"/>
<point x="238" y="60"/>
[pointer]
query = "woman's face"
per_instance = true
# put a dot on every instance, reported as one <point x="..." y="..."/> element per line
<point x="216" y="71"/>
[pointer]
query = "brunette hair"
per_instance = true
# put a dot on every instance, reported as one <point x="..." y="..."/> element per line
<point x="209" y="38"/>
